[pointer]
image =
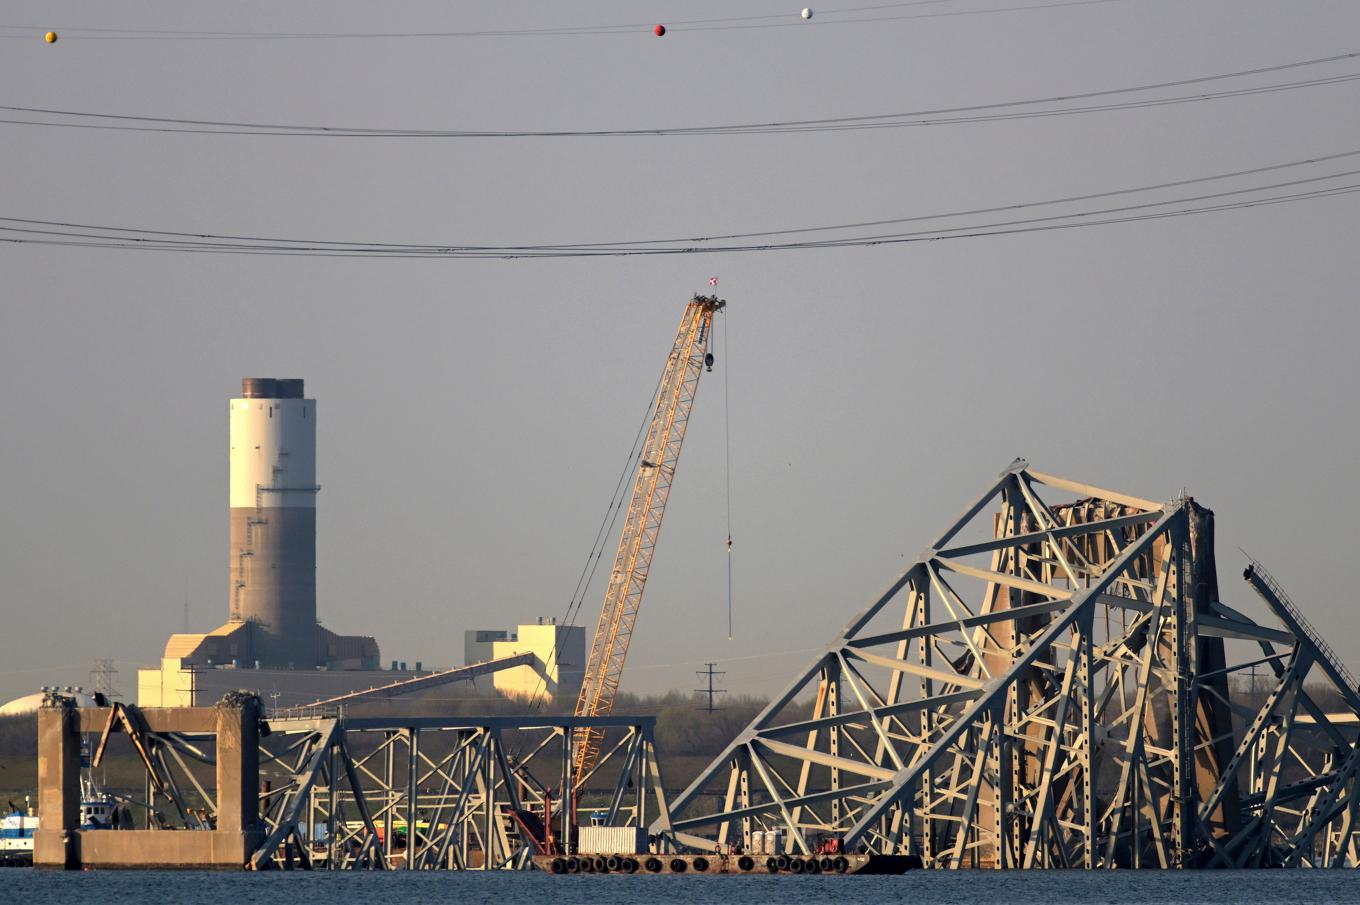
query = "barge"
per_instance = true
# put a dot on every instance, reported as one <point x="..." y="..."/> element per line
<point x="726" y="864"/>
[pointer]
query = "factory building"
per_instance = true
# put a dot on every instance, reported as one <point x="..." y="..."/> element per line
<point x="559" y="661"/>
<point x="477" y="644"/>
<point x="271" y="642"/>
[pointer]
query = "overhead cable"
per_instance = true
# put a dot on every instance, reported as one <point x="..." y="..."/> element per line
<point x="45" y="232"/>
<point x="825" y="17"/>
<point x="1052" y="105"/>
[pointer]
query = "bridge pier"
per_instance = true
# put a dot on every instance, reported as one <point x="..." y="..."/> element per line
<point x="61" y="843"/>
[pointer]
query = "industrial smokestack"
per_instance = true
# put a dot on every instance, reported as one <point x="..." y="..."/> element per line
<point x="273" y="520"/>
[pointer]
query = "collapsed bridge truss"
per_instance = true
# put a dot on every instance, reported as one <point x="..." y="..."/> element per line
<point x="337" y="791"/>
<point x="1055" y="682"/>
<point x="432" y="793"/>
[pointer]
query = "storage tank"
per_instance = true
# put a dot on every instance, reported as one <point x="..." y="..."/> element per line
<point x="273" y="520"/>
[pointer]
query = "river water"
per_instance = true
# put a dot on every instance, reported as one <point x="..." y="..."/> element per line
<point x="24" y="886"/>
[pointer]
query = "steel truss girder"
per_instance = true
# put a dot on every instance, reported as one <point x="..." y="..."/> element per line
<point x="1057" y="693"/>
<point x="431" y="793"/>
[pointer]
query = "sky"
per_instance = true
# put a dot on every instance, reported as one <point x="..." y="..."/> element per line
<point x="474" y="414"/>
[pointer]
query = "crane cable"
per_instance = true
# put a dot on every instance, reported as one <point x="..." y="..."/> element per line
<point x="602" y="535"/>
<point x="727" y="442"/>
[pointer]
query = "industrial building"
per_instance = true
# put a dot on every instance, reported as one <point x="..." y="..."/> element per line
<point x="559" y="657"/>
<point x="477" y="644"/>
<point x="271" y="643"/>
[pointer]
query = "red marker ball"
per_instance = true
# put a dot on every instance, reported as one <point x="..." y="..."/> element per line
<point x="659" y="30"/>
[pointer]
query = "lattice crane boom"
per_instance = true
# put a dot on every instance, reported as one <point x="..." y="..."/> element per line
<point x="646" y="507"/>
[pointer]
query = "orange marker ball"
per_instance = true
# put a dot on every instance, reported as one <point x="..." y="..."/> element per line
<point x="50" y="37"/>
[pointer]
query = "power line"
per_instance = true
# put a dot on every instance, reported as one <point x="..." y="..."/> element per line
<point x="1016" y="206"/>
<point x="997" y="111"/>
<point x="990" y="230"/>
<point x="552" y="30"/>
<point x="46" y="232"/>
<point x="825" y="17"/>
<point x="1029" y="7"/>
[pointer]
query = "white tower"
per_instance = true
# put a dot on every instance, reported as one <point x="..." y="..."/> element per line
<point x="273" y="521"/>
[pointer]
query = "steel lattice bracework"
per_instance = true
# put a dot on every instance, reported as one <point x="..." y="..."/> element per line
<point x="1056" y="685"/>
<point x="339" y="792"/>
<point x="443" y="793"/>
<point x="646" y="508"/>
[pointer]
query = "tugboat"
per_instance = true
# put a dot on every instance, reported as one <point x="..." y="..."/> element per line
<point x="16" y="837"/>
<point x="98" y="809"/>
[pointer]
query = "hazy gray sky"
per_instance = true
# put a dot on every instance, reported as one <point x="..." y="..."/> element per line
<point x="474" y="414"/>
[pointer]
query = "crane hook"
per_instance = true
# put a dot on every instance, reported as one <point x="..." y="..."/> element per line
<point x="708" y="360"/>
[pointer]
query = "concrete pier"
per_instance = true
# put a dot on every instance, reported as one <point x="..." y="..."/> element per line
<point x="60" y="843"/>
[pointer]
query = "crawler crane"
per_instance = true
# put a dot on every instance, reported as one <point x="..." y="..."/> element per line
<point x="651" y="488"/>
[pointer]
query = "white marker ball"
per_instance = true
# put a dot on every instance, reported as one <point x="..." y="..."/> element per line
<point x="807" y="12"/>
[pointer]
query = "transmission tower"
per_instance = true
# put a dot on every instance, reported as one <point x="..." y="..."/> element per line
<point x="102" y="676"/>
<point x="710" y="691"/>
